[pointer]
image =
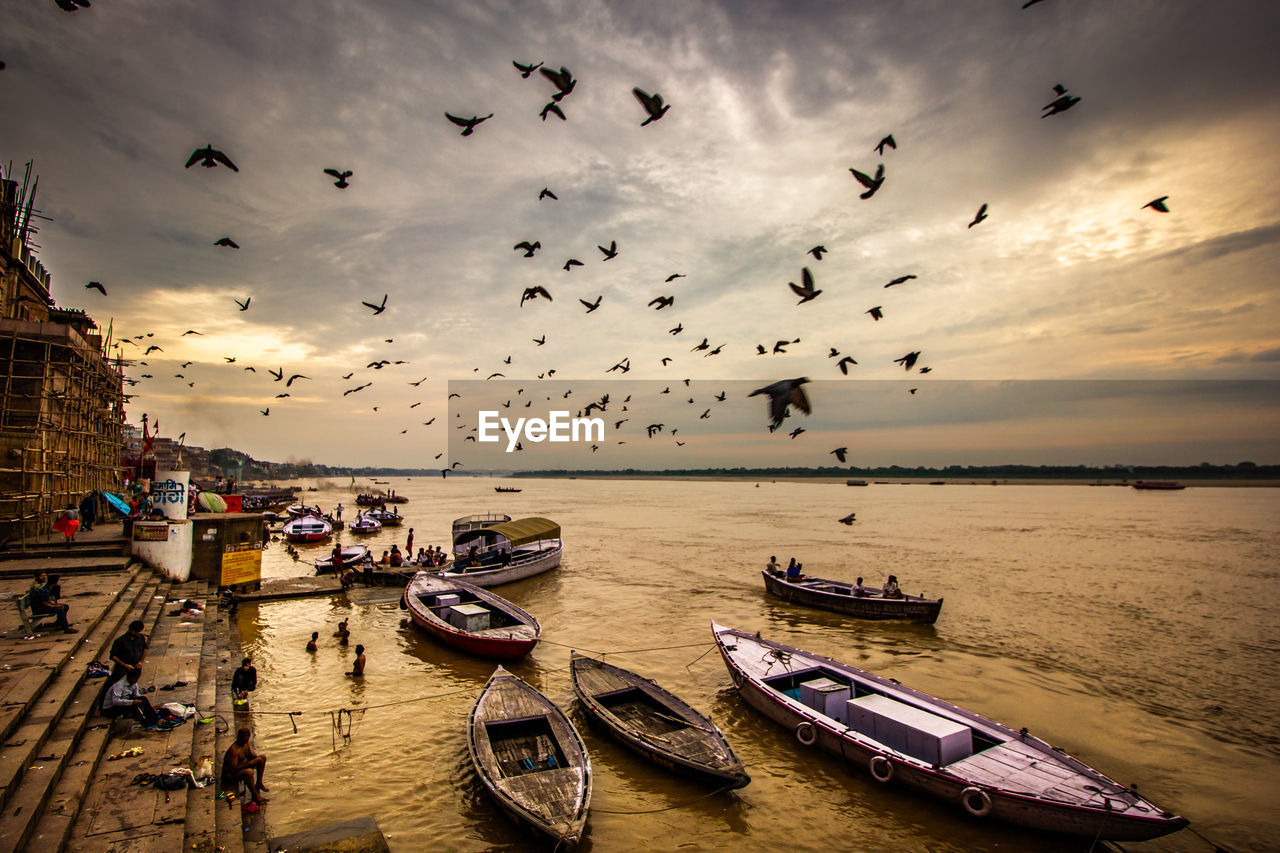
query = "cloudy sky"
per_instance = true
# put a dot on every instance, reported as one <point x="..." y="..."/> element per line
<point x="771" y="105"/>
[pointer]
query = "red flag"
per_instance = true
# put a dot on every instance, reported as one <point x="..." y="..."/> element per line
<point x="148" y="441"/>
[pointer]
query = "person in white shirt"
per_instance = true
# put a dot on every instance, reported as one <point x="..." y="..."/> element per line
<point x="124" y="699"/>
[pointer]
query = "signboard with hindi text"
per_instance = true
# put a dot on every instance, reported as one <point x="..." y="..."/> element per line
<point x="241" y="563"/>
<point x="169" y="493"/>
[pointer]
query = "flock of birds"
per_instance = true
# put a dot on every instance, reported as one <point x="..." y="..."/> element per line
<point x="781" y="396"/>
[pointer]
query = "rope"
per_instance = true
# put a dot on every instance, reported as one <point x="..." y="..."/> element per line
<point x="625" y="651"/>
<point x="667" y="808"/>
<point x="1217" y="848"/>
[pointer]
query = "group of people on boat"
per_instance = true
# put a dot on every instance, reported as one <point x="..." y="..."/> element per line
<point x="794" y="573"/>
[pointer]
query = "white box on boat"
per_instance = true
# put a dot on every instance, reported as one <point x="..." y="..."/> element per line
<point x="909" y="730"/>
<point x="469" y="617"/>
<point x="450" y="600"/>
<point x="826" y="697"/>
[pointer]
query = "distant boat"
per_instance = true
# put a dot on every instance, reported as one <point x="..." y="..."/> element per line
<point x="1159" y="485"/>
<point x="505" y="489"/>
<point x="841" y="597"/>
<point x="505" y="551"/>
<point x="470" y="618"/>
<point x="309" y="528"/>
<point x="654" y="722"/>
<point x="900" y="735"/>
<point x="530" y="758"/>
<point x="388" y="517"/>
<point x="855" y="482"/>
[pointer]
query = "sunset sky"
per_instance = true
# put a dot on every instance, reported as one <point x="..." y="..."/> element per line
<point x="771" y="104"/>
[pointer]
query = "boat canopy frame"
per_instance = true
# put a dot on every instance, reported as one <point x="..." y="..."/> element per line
<point x="509" y="534"/>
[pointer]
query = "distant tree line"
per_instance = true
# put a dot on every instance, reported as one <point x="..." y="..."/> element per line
<point x="1117" y="473"/>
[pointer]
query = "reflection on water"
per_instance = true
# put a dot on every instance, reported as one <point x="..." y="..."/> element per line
<point x="1136" y="630"/>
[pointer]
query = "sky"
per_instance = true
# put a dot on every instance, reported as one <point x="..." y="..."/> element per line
<point x="771" y="104"/>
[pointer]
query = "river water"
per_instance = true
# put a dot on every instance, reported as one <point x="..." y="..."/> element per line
<point x="1137" y="630"/>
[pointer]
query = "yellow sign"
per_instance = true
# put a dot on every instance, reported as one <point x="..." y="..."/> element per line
<point x="241" y="564"/>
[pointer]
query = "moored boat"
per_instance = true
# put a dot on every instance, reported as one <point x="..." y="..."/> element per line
<point x="387" y="517"/>
<point x="506" y="489"/>
<point x="655" y="722"/>
<point x="365" y="525"/>
<point x="530" y="758"/>
<point x="505" y="552"/>
<point x="474" y="522"/>
<point x="470" y="618"/>
<point x="1159" y="485"/>
<point x="853" y="599"/>
<point x="903" y="735"/>
<point x="352" y="556"/>
<point x="309" y="528"/>
<point x="855" y="482"/>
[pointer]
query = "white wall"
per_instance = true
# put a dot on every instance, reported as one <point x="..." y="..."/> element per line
<point x="173" y="556"/>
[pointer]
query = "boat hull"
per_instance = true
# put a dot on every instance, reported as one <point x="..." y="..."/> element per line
<point x="352" y="556"/>
<point x="519" y="569"/>
<point x="909" y="608"/>
<point x="516" y="645"/>
<point x="814" y="730"/>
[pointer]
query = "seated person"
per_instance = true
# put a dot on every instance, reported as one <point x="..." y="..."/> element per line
<point x="793" y="570"/>
<point x="124" y="699"/>
<point x="386" y="559"/>
<point x="348" y="579"/>
<point x="242" y="764"/>
<point x="396" y="560"/>
<point x="858" y="589"/>
<point x="773" y="566"/>
<point x="42" y="603"/>
<point x="891" y="587"/>
<point x="244" y="680"/>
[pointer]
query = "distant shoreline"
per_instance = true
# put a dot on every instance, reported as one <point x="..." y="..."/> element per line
<point x="1216" y="482"/>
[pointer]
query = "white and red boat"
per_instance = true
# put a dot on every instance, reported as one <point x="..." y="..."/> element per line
<point x="470" y="618"/>
<point x="364" y="525"/>
<point x="308" y="528"/>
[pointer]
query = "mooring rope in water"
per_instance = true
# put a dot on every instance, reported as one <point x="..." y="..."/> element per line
<point x="624" y="651"/>
<point x="719" y="790"/>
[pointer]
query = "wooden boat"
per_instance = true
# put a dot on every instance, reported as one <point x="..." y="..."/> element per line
<point x="505" y="552"/>
<point x="1159" y="485"/>
<point x="654" y="722"/>
<point x="842" y="597"/>
<point x="506" y="489"/>
<point x="470" y="618"/>
<point x="388" y="518"/>
<point x="903" y="735"/>
<point x="352" y="556"/>
<point x="365" y="525"/>
<point x="530" y="758"/>
<point x="309" y="528"/>
<point x="855" y="482"/>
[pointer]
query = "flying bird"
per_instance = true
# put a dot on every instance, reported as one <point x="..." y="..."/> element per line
<point x="278" y="374"/>
<point x="546" y="193"/>
<point x="795" y="432"/>
<point x="926" y="369"/>
<point x="591" y="306"/>
<point x="1156" y="205"/>
<point x="528" y="248"/>
<point x="889" y="141"/>
<point x="266" y="411"/>
<point x="844" y="363"/>
<point x="244" y="306"/>
<point x="229" y="360"/>
<point x="699" y="347"/>
<point x="570" y="264"/>
<point x="674" y="276"/>
<point x="526" y="70"/>
<point x="209" y="157"/>
<point x="818" y="252"/>
<point x="876" y="313"/>
<point x="781" y="346"/>
<point x="805" y="289"/>
<point x="662" y="302"/>
<point x="553" y="108"/>
<point x="982" y="214"/>
<point x="611" y="252"/>
<point x="872" y="184"/>
<point x="533" y="293"/>
<point x="96" y="285"/>
<point x="908" y="361"/>
<point x="840" y="452"/>
<point x="357" y="388"/>
<point x="377" y="309"/>
<point x="468" y="123"/>
<point x="540" y="341"/>
<point x="848" y="519"/>
<point x="414" y="384"/>
<point x="1031" y="3"/>
<point x="677" y="330"/>
<point x="227" y="243"/>
<point x="493" y="375"/>
<point x="341" y="183"/>
<point x="278" y="396"/>
<point x="899" y="280"/>
<point x="652" y="105"/>
<point x="782" y="395"/>
<point x="151" y="349"/>
<point x="1061" y="104"/>
<point x="293" y="377"/>
<point x="652" y="428"/>
<point x="761" y="350"/>
<point x="562" y="79"/>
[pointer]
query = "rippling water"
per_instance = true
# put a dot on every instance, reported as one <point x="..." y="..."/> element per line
<point x="1138" y="630"/>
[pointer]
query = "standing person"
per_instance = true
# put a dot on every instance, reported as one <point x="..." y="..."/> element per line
<point x="357" y="668"/>
<point x="244" y="680"/>
<point x="242" y="764"/>
<point x="338" y="511"/>
<point x="336" y="556"/>
<point x="89" y="511"/>
<point x="68" y="522"/>
<point x="343" y="633"/>
<point x="408" y="545"/>
<point x="311" y="644"/>
<point x="127" y="652"/>
<point x="124" y="699"/>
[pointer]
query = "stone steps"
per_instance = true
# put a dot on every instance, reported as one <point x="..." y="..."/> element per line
<point x="199" y="833"/>
<point x="46" y="743"/>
